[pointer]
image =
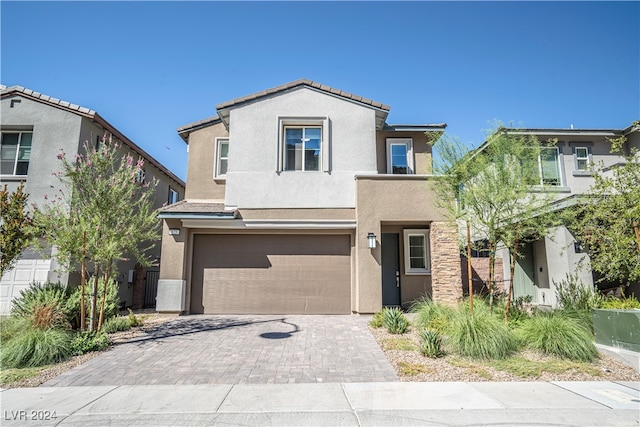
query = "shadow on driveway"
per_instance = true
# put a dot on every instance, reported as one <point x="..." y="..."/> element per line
<point x="199" y="324"/>
<point x="225" y="349"/>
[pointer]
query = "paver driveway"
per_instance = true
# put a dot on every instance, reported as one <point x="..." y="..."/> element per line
<point x="241" y="349"/>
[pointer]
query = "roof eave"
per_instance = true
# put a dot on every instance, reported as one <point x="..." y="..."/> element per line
<point x="185" y="131"/>
<point x="89" y="114"/>
<point x="196" y="215"/>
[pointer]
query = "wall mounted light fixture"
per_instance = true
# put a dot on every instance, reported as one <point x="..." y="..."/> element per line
<point x="371" y="241"/>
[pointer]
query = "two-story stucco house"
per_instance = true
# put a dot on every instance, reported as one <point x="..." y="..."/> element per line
<point x="35" y="127"/>
<point x="567" y="167"/>
<point x="302" y="199"/>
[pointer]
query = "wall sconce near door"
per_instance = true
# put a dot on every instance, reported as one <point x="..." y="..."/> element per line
<point x="371" y="241"/>
<point x="174" y="231"/>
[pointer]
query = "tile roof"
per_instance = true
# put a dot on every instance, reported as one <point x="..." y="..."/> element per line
<point x="91" y="114"/>
<point x="303" y="82"/>
<point x="185" y="130"/>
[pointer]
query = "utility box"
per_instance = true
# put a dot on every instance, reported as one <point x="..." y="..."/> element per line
<point x="617" y="328"/>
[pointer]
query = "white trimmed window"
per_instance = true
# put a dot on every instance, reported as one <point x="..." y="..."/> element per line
<point x="302" y="148"/>
<point x="549" y="166"/>
<point x="400" y="156"/>
<point x="303" y="144"/>
<point x="15" y="153"/>
<point x="416" y="252"/>
<point x="174" y="196"/>
<point x="222" y="158"/>
<point x="582" y="159"/>
<point x="140" y="176"/>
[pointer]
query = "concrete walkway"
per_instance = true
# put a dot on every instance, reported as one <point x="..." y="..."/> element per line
<point x="347" y="404"/>
<point x="238" y="350"/>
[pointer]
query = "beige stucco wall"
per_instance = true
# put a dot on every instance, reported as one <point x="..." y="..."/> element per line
<point x="172" y="262"/>
<point x="403" y="200"/>
<point x="422" y="158"/>
<point x="200" y="165"/>
<point x="298" y="214"/>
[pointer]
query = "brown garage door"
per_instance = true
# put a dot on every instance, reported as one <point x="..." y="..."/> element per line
<point x="271" y="274"/>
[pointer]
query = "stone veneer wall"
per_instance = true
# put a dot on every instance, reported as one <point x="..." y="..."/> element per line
<point x="480" y="275"/>
<point x="445" y="263"/>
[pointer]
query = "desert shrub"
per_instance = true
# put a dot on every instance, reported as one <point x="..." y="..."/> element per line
<point x="115" y="324"/>
<point x="394" y="320"/>
<point x="43" y="305"/>
<point x="561" y="335"/>
<point x="621" y="303"/>
<point x="429" y="315"/>
<point x="133" y="319"/>
<point x="36" y="347"/>
<point x="572" y="294"/>
<point x="480" y="335"/>
<point x="111" y="306"/>
<point x="11" y="326"/>
<point x="85" y="342"/>
<point x="376" y="320"/>
<point x="430" y="344"/>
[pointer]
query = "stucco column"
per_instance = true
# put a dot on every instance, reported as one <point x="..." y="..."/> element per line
<point x="445" y="263"/>
<point x="172" y="293"/>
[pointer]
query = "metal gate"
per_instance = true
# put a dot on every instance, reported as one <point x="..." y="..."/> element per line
<point x="150" y="288"/>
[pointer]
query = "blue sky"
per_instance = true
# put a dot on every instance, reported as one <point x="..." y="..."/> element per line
<point x="150" y="67"/>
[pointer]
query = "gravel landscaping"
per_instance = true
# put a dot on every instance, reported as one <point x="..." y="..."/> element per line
<point x="410" y="365"/>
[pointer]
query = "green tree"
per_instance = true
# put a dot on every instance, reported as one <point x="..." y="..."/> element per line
<point x="607" y="219"/>
<point x="496" y="189"/>
<point x="15" y="226"/>
<point x="103" y="212"/>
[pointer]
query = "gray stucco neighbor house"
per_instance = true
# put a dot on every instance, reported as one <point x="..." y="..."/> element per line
<point x="34" y="128"/>
<point x="567" y="168"/>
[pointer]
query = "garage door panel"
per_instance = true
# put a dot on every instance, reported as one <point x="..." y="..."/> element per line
<point x="271" y="274"/>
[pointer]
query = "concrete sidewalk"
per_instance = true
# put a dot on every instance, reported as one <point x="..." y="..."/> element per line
<point x="328" y="404"/>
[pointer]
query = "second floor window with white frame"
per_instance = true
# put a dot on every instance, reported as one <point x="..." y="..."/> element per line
<point x="222" y="158"/>
<point x="400" y="156"/>
<point x="173" y="196"/>
<point x="303" y="148"/>
<point x="15" y="153"/>
<point x="583" y="161"/>
<point x="549" y="165"/>
<point x="140" y="176"/>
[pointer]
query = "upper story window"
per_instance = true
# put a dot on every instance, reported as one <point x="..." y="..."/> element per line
<point x="582" y="159"/>
<point x="15" y="153"/>
<point x="222" y="158"/>
<point x="303" y="144"/>
<point x="303" y="148"/>
<point x="416" y="251"/>
<point x="400" y="156"/>
<point x="173" y="196"/>
<point x="549" y="166"/>
<point x="98" y="143"/>
<point x="140" y="176"/>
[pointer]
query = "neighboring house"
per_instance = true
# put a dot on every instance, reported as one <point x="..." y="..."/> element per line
<point x="35" y="127"/>
<point x="567" y="167"/>
<point x="285" y="188"/>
